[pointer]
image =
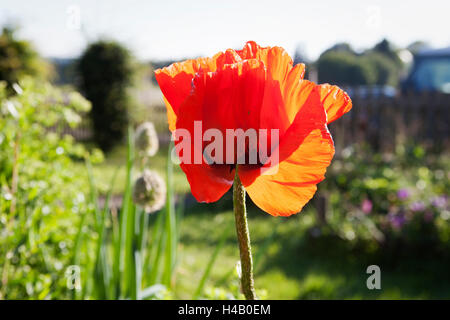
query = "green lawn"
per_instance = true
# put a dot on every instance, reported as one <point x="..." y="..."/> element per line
<point x="289" y="262"/>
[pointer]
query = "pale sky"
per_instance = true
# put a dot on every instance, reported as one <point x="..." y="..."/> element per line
<point x="174" y="29"/>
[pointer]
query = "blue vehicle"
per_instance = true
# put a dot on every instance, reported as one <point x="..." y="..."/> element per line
<point x="430" y="72"/>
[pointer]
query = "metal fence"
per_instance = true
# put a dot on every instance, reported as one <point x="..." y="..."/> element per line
<point x="381" y="122"/>
<point x="384" y="122"/>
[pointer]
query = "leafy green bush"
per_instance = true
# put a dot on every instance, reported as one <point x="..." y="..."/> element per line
<point x="106" y="72"/>
<point x="377" y="66"/>
<point x="40" y="196"/>
<point x="57" y="240"/>
<point x="344" y="68"/>
<point x="18" y="59"/>
<point x="386" y="72"/>
<point x="385" y="48"/>
<point x="51" y="223"/>
<point x="399" y="200"/>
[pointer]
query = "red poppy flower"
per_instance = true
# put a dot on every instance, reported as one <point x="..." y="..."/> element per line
<point x="257" y="88"/>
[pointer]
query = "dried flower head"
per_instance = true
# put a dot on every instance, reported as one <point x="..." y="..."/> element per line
<point x="149" y="191"/>
<point x="146" y="139"/>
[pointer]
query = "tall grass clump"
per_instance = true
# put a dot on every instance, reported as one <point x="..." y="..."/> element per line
<point x="129" y="256"/>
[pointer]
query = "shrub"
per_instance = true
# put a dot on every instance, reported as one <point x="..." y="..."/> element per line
<point x="51" y="223"/>
<point x="401" y="200"/>
<point x="345" y="69"/>
<point x="41" y="196"/>
<point x="106" y="72"/>
<point x="386" y="72"/>
<point x="18" y="58"/>
<point x="385" y="48"/>
<point x="341" y="65"/>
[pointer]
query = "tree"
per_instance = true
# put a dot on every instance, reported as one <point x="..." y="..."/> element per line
<point x="384" y="47"/>
<point x="340" y="47"/>
<point x="386" y="72"/>
<point x="106" y="72"/>
<point x="341" y="65"/>
<point x="18" y="58"/>
<point x="345" y="69"/>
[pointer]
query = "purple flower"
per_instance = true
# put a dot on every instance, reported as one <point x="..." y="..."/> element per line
<point x="366" y="206"/>
<point x="397" y="220"/>
<point x="417" y="206"/>
<point x="403" y="194"/>
<point x="439" y="202"/>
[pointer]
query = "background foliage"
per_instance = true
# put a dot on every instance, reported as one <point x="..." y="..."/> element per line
<point x="18" y="58"/>
<point x="106" y="71"/>
<point x="41" y="196"/>
<point x="343" y="66"/>
<point x="63" y="204"/>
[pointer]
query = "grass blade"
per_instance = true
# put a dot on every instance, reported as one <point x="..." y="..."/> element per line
<point x="211" y="261"/>
<point x="127" y="213"/>
<point x="170" y="227"/>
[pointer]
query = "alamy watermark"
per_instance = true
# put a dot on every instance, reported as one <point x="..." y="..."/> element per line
<point x="374" y="17"/>
<point x="73" y="277"/>
<point x="374" y="280"/>
<point x="236" y="146"/>
<point x="73" y="21"/>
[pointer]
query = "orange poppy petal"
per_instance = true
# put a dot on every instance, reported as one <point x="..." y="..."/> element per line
<point x="208" y="183"/>
<point x="175" y="83"/>
<point x="175" y="80"/>
<point x="278" y="63"/>
<point x="300" y="107"/>
<point x="220" y="100"/>
<point x="280" y="104"/>
<point x="276" y="59"/>
<point x="273" y="112"/>
<point x="233" y="96"/>
<point x="335" y="101"/>
<point x="171" y="116"/>
<point x="296" y="92"/>
<point x="304" y="153"/>
<point x="226" y="99"/>
<point x="286" y="192"/>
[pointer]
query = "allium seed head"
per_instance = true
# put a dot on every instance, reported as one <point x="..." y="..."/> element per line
<point x="146" y="140"/>
<point x="149" y="191"/>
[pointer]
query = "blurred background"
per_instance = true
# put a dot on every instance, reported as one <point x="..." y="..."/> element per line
<point x="77" y="79"/>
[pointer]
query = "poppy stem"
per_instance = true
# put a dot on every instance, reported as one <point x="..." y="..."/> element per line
<point x="240" y="214"/>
